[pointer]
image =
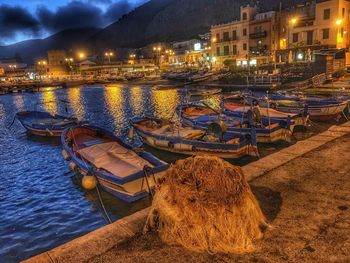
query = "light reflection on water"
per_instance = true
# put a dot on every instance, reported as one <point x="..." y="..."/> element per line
<point x="41" y="204"/>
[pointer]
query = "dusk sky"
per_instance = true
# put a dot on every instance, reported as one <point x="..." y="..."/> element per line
<point x="26" y="19"/>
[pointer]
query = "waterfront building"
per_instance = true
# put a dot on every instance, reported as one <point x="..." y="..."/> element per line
<point x="57" y="65"/>
<point x="307" y="28"/>
<point x="230" y="41"/>
<point x="13" y="68"/>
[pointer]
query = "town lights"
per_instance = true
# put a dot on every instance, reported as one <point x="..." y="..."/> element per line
<point x="69" y="59"/>
<point x="339" y="22"/>
<point x="42" y="62"/>
<point x="81" y="55"/>
<point x="109" y="55"/>
<point x="293" y="21"/>
<point x="214" y="40"/>
<point x="132" y="56"/>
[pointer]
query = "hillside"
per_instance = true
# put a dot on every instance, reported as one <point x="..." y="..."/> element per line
<point x="31" y="50"/>
<point x="154" y="21"/>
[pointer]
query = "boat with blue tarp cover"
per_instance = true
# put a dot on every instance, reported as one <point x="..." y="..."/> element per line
<point x="171" y="137"/>
<point x="127" y="173"/>
<point x="45" y="124"/>
<point x="201" y="116"/>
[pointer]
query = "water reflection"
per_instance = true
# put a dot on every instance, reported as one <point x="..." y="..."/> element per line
<point x="76" y="104"/>
<point x="114" y="98"/>
<point x="49" y="102"/>
<point x="137" y="100"/>
<point x="18" y="102"/>
<point x="165" y="102"/>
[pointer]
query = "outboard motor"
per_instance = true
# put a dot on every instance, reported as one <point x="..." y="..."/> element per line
<point x="217" y="129"/>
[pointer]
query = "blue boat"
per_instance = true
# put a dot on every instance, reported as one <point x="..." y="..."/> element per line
<point x="121" y="170"/>
<point x="319" y="107"/>
<point x="238" y="106"/>
<point x="188" y="141"/>
<point x="201" y="116"/>
<point x="45" y="124"/>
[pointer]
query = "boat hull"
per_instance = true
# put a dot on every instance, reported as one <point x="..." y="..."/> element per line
<point x="319" y="113"/>
<point x="127" y="188"/>
<point x="191" y="147"/>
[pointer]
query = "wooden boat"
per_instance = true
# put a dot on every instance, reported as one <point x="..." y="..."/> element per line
<point x="238" y="107"/>
<point x="45" y="124"/>
<point x="120" y="170"/>
<point x="189" y="141"/>
<point x="204" y="91"/>
<point x="200" y="117"/>
<point x="322" y="109"/>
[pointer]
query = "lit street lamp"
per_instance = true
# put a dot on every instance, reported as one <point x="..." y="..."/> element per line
<point x="109" y="55"/>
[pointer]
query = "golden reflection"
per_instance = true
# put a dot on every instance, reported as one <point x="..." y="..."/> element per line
<point x="49" y="102"/>
<point x="74" y="98"/>
<point x="114" y="100"/>
<point x="213" y="101"/>
<point x="165" y="102"/>
<point x="136" y="100"/>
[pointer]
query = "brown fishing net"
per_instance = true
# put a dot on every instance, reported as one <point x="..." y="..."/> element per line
<point x="205" y="204"/>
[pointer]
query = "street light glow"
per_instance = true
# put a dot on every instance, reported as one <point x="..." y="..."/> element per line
<point x="293" y="21"/>
<point x="339" y="22"/>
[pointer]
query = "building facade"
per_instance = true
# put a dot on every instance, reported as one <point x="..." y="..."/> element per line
<point x="57" y="65"/>
<point x="284" y="36"/>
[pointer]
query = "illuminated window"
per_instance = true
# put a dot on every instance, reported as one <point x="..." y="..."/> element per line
<point x="325" y="33"/>
<point x="326" y="14"/>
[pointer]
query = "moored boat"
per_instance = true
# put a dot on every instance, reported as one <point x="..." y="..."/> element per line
<point x="119" y="169"/>
<point x="320" y="108"/>
<point x="238" y="107"/>
<point x="189" y="141"/>
<point x="45" y="124"/>
<point x="201" y="116"/>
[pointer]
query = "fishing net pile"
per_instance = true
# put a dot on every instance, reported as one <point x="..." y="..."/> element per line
<point x="206" y="205"/>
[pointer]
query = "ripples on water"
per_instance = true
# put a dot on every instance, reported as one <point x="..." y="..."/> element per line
<point x="41" y="205"/>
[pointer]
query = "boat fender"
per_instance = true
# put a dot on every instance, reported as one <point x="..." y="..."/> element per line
<point x="72" y="166"/>
<point x="162" y="143"/>
<point x="150" y="141"/>
<point x="89" y="182"/>
<point x="65" y="155"/>
<point x="183" y="147"/>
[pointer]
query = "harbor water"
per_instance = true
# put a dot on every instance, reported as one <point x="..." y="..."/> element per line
<point x="41" y="203"/>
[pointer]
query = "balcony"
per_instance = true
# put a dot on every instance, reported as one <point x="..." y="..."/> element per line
<point x="223" y="40"/>
<point x="260" y="50"/>
<point x="257" y="35"/>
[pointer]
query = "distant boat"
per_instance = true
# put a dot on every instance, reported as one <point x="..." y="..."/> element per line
<point x="199" y="91"/>
<point x="201" y="116"/>
<point x="45" y="124"/>
<point x="120" y="170"/>
<point x="190" y="141"/>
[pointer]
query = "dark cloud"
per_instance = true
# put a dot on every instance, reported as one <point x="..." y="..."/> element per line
<point x="15" y="19"/>
<point x="73" y="15"/>
<point x="117" y="9"/>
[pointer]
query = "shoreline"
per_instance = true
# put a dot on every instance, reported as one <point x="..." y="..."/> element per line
<point x="102" y="240"/>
